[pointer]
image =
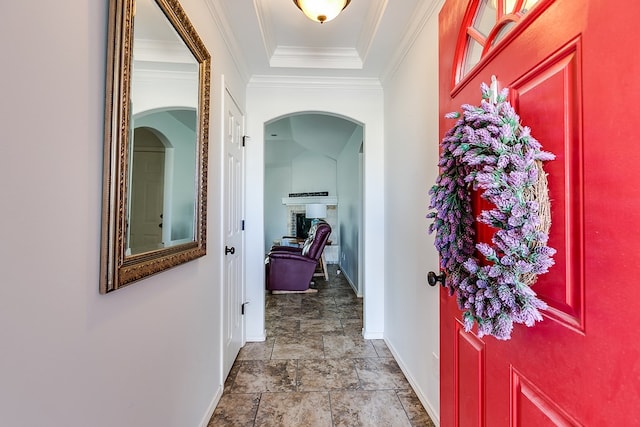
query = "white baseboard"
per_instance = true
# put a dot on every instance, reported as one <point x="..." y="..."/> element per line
<point x="212" y="407"/>
<point x="372" y="335"/>
<point x="433" y="412"/>
<point x="257" y="338"/>
<point x="353" y="286"/>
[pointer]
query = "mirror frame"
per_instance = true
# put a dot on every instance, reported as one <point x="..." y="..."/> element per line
<point x="116" y="268"/>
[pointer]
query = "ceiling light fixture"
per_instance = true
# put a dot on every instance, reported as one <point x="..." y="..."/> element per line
<point x="321" y="10"/>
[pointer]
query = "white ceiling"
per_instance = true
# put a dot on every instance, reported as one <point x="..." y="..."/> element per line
<point x="289" y="137"/>
<point x="273" y="39"/>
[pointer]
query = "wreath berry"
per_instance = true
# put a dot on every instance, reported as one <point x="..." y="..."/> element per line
<point x="488" y="149"/>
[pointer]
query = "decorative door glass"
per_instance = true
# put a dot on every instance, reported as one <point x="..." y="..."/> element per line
<point x="489" y="21"/>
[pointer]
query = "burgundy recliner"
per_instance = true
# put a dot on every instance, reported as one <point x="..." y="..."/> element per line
<point x="291" y="269"/>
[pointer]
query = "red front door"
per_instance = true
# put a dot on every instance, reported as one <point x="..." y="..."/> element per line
<point x="573" y="72"/>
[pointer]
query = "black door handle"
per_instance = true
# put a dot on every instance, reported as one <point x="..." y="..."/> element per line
<point x="229" y="250"/>
<point x="433" y="278"/>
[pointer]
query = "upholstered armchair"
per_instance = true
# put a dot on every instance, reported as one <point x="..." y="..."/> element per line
<point x="290" y="268"/>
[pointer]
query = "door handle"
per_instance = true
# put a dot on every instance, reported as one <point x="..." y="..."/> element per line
<point x="229" y="250"/>
<point x="433" y="278"/>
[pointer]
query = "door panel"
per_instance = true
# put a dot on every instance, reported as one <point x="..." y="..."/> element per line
<point x="531" y="407"/>
<point x="572" y="77"/>
<point x="548" y="99"/>
<point x="469" y="351"/>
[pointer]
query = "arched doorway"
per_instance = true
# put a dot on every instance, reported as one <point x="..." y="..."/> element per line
<point x="359" y="102"/>
<point x="316" y="157"/>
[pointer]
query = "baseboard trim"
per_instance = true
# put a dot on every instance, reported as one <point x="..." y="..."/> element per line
<point x="433" y="413"/>
<point x="212" y="407"/>
<point x="259" y="338"/>
<point x="353" y="286"/>
<point x="372" y="335"/>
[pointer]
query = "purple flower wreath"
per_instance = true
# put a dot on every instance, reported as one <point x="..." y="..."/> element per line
<point x="488" y="149"/>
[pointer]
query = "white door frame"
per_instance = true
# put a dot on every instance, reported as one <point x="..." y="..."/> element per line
<point x="233" y="322"/>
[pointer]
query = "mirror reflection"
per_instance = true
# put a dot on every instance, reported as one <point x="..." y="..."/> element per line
<point x="156" y="128"/>
<point x="162" y="162"/>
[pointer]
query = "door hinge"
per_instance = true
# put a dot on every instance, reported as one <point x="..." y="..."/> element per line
<point x="245" y="138"/>
<point x="243" y="225"/>
<point x="242" y="307"/>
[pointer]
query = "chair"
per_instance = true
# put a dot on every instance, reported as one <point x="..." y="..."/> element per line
<point x="291" y="269"/>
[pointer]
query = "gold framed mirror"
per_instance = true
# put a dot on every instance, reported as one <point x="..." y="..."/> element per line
<point x="156" y="142"/>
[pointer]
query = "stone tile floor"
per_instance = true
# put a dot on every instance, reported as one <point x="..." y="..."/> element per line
<point x="316" y="369"/>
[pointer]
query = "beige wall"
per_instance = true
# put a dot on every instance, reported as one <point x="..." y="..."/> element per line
<point x="144" y="355"/>
<point x="150" y="354"/>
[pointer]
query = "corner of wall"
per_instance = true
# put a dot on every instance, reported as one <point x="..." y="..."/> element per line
<point x="212" y="407"/>
<point x="428" y="406"/>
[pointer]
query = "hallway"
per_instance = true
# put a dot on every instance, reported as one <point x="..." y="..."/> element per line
<point x="315" y="369"/>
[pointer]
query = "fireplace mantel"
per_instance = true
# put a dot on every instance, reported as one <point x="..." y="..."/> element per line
<point x="295" y="201"/>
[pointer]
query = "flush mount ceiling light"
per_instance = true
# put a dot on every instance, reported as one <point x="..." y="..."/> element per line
<point x="321" y="10"/>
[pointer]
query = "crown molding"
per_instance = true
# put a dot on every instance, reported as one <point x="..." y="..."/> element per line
<point x="315" y="82"/>
<point x="370" y="27"/>
<point x="266" y="24"/>
<point x="163" y="51"/>
<point x="218" y="13"/>
<point x="154" y="72"/>
<point x="298" y="57"/>
<point x="422" y="14"/>
<point x="281" y="56"/>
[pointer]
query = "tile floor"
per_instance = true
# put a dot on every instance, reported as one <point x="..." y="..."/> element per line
<point x="315" y="369"/>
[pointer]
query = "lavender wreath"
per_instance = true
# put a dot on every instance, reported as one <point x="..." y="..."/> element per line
<point x="488" y="149"/>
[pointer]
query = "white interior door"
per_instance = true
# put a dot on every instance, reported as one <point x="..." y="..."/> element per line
<point x="233" y="298"/>
<point x="147" y="200"/>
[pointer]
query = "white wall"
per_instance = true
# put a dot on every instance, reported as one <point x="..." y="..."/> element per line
<point x="411" y="156"/>
<point x="153" y="90"/>
<point x="313" y="172"/>
<point x="308" y="172"/>
<point x="349" y="212"/>
<point x="146" y="355"/>
<point x="357" y="100"/>
<point x="277" y="185"/>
